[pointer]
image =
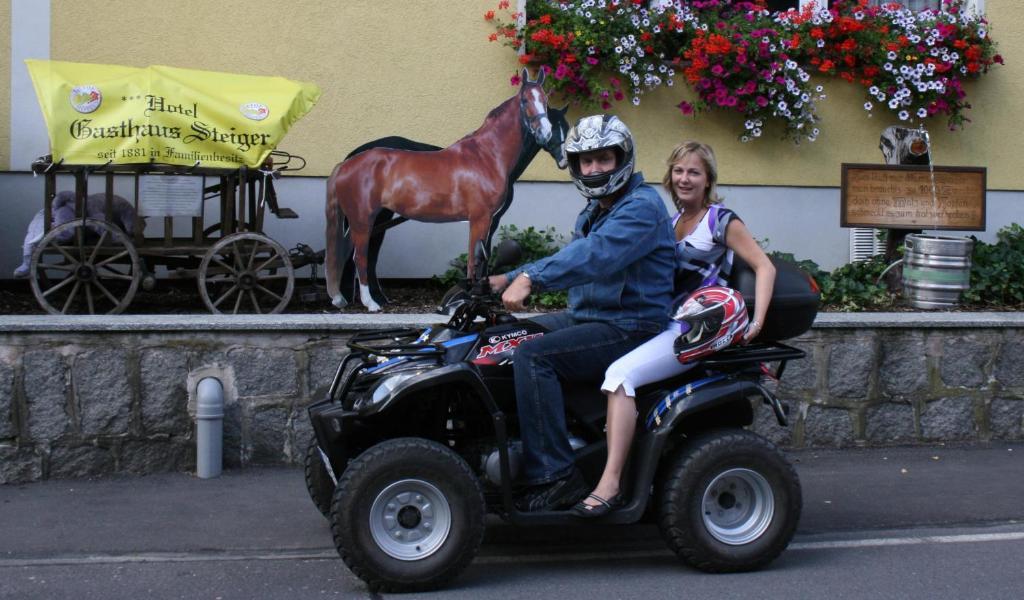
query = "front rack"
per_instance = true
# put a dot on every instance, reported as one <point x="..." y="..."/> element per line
<point x="395" y="346"/>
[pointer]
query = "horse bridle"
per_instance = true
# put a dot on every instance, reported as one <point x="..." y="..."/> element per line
<point x="530" y="121"/>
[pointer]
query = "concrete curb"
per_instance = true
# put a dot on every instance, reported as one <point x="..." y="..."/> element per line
<point x="349" y="322"/>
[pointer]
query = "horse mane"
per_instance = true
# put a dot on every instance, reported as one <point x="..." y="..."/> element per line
<point x="394" y="142"/>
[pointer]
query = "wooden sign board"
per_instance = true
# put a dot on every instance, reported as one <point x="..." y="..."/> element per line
<point x="904" y="197"/>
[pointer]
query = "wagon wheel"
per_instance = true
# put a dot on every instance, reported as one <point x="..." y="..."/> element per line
<point x="85" y="267"/>
<point x="246" y="273"/>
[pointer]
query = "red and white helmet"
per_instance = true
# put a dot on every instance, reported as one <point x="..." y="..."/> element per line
<point x="717" y="318"/>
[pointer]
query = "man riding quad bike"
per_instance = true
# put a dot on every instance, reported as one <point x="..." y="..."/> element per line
<point x="418" y="439"/>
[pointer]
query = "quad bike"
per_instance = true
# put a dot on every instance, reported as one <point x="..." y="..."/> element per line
<point x="417" y="440"/>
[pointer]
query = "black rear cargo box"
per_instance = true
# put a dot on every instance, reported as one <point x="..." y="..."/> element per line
<point x="794" y="302"/>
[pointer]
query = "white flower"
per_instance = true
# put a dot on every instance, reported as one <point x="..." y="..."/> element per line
<point x="873" y="90"/>
<point x="922" y="112"/>
<point x="819" y="89"/>
<point x="904" y="115"/>
<point x="618" y="49"/>
<point x="820" y="43"/>
<point x="891" y="55"/>
<point x="887" y="66"/>
<point x="636" y="101"/>
<point x="894" y="104"/>
<point x="744" y="139"/>
<point x="868" y="106"/>
<point x="749" y="124"/>
<point x="757" y="132"/>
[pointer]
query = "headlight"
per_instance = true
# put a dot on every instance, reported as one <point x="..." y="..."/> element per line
<point x="386" y="387"/>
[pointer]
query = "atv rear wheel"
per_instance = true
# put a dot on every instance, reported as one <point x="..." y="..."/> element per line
<point x="407" y="515"/>
<point x="730" y="502"/>
<point x="318" y="481"/>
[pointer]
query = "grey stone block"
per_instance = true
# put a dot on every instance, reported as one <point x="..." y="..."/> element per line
<point x="767" y="425"/>
<point x="1009" y="369"/>
<point x="164" y="375"/>
<point x="849" y="367"/>
<point x="268" y="436"/>
<point x="889" y="423"/>
<point x="46" y="395"/>
<point x="235" y="452"/>
<point x="302" y="432"/>
<point x="7" y="427"/>
<point x="800" y="375"/>
<point x="263" y="372"/>
<point x="19" y="465"/>
<point x="824" y="426"/>
<point x="323" y="363"/>
<point x="963" y="361"/>
<point x="948" y="419"/>
<point x="903" y="368"/>
<point x="1006" y="419"/>
<point x="77" y="461"/>
<point x="102" y="390"/>
<point x="157" y="456"/>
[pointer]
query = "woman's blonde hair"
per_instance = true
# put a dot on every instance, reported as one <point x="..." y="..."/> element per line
<point x="707" y="156"/>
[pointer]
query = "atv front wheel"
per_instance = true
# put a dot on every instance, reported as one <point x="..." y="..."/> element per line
<point x="407" y="515"/>
<point x="730" y="502"/>
<point x="318" y="481"/>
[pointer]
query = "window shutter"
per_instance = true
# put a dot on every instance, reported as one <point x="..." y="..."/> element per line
<point x="864" y="244"/>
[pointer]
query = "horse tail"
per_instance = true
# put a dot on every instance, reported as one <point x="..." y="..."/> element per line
<point x="339" y="247"/>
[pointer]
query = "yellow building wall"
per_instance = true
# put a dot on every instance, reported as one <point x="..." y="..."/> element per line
<point x="425" y="70"/>
<point x="5" y="75"/>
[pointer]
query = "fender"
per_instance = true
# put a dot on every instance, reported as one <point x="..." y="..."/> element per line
<point x="729" y="390"/>
<point x="446" y="375"/>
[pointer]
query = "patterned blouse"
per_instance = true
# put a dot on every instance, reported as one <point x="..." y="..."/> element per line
<point x="702" y="258"/>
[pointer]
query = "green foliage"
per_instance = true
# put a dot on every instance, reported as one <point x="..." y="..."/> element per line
<point x="535" y="243"/>
<point x="852" y="287"/>
<point x="997" y="271"/>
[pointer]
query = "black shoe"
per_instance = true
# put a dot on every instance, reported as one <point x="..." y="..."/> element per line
<point x="555" y="495"/>
<point x="603" y="507"/>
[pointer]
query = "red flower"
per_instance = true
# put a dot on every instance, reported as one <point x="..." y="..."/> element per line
<point x="826" y="66"/>
<point x="489" y="15"/>
<point x="545" y="19"/>
<point x="493" y="37"/>
<point x="503" y="4"/>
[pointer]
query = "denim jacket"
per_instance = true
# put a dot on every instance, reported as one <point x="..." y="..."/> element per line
<point x="619" y="266"/>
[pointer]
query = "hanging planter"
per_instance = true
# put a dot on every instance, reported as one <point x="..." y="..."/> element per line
<point x="739" y="57"/>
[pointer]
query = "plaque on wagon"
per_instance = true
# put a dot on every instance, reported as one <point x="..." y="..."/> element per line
<point x="907" y="197"/>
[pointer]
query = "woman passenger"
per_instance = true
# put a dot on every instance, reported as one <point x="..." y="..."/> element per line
<point x="706" y="235"/>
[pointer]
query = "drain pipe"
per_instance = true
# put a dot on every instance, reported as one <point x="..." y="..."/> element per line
<point x="209" y="428"/>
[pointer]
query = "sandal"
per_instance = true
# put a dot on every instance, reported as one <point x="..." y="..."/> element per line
<point x="603" y="507"/>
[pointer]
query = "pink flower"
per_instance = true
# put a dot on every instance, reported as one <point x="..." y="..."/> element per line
<point x="515" y="80"/>
<point x="685" y="107"/>
<point x="591" y="60"/>
<point x="618" y="95"/>
<point x="761" y="101"/>
<point x="605" y="105"/>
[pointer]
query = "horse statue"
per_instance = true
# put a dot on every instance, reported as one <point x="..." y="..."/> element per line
<point x="471" y="180"/>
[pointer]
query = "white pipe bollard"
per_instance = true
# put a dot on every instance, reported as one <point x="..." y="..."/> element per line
<point x="209" y="428"/>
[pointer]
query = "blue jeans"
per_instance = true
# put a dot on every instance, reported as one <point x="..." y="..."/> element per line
<point x="571" y="351"/>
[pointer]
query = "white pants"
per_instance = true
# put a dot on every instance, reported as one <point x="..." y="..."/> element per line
<point x="651" y="361"/>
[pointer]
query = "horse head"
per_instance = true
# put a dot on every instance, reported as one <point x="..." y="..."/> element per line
<point x="547" y="126"/>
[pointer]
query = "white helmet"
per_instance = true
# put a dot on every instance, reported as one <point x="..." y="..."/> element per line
<point x="595" y="133"/>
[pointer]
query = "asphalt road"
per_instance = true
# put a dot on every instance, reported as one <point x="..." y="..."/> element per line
<point x="936" y="522"/>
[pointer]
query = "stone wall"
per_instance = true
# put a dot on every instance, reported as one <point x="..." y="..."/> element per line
<point x="83" y="397"/>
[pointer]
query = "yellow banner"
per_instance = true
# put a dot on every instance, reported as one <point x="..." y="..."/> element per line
<point x="101" y="113"/>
